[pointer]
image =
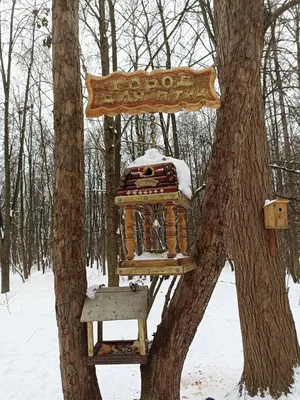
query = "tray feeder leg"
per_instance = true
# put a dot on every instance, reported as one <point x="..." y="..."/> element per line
<point x="100" y="331"/>
<point x="90" y="338"/>
<point x="142" y="336"/>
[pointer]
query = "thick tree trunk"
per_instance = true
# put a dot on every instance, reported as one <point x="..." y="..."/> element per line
<point x="240" y="145"/>
<point x="269" y="338"/>
<point x="161" y="375"/>
<point x="79" y="380"/>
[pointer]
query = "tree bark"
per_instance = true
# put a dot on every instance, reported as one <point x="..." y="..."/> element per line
<point x="239" y="146"/>
<point x="8" y="213"/>
<point x="161" y="374"/>
<point x="270" y="344"/>
<point x="110" y="162"/>
<point x="79" y="380"/>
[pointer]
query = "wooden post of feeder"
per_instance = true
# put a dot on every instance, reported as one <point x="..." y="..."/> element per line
<point x="147" y="230"/>
<point x="142" y="336"/>
<point x="129" y="232"/>
<point x="170" y="230"/>
<point x="182" y="231"/>
<point x="100" y="331"/>
<point x="90" y="338"/>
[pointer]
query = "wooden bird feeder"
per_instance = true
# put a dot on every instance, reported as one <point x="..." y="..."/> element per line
<point x="111" y="304"/>
<point x="275" y="214"/>
<point x="144" y="189"/>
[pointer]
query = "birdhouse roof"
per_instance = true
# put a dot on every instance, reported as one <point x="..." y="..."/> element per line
<point x="117" y="303"/>
<point x="276" y="201"/>
<point x="153" y="157"/>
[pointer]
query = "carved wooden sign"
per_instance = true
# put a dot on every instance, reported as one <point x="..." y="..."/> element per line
<point x="160" y="90"/>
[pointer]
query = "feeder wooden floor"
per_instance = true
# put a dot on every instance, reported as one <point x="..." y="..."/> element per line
<point x="155" y="267"/>
<point x="116" y="358"/>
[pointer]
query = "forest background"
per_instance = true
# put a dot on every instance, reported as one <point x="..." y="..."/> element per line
<point x="148" y="35"/>
<point x="155" y="36"/>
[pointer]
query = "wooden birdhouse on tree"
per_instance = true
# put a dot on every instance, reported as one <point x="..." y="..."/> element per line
<point x="112" y="304"/>
<point x="155" y="184"/>
<point x="275" y="214"/>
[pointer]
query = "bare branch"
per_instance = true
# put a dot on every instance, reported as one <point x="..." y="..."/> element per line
<point x="272" y="17"/>
<point x="294" y="171"/>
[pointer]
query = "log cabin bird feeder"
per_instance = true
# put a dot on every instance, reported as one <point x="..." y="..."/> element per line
<point x="156" y="183"/>
<point x="111" y="304"/>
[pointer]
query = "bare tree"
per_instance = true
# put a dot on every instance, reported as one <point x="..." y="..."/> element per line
<point x="79" y="380"/>
<point x="238" y="182"/>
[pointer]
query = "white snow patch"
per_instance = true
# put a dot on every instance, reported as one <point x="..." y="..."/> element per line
<point x="91" y="291"/>
<point x="151" y="256"/>
<point x="268" y="202"/>
<point x="156" y="256"/>
<point x="156" y="224"/>
<point x="153" y="156"/>
<point x="29" y="366"/>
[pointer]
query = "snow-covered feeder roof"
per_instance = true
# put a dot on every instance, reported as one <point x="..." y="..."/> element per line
<point x="155" y="178"/>
<point x="153" y="156"/>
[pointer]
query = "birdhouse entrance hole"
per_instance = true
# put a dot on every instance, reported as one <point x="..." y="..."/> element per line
<point x="147" y="171"/>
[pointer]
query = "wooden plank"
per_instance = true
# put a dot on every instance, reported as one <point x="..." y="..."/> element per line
<point x="114" y="290"/>
<point x="111" y="305"/>
<point x="176" y="197"/>
<point x="165" y="262"/>
<point x="100" y="331"/>
<point x="154" y="271"/>
<point x="142" y="336"/>
<point x="189" y="267"/>
<point x="90" y="339"/>
<point x="156" y="267"/>
<point x="142" y="91"/>
<point x="117" y="359"/>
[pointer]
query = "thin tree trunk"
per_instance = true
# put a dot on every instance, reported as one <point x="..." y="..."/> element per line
<point x="6" y="81"/>
<point x="79" y="380"/>
<point x="110" y="164"/>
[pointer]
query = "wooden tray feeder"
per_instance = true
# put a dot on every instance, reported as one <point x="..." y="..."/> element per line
<point x="111" y="304"/>
<point x="141" y="189"/>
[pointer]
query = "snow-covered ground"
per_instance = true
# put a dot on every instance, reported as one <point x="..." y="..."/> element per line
<point x="29" y="365"/>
